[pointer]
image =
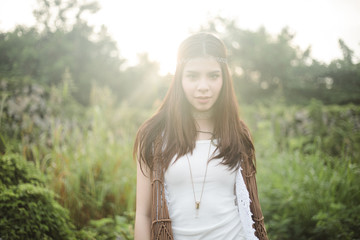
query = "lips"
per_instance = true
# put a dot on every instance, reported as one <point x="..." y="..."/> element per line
<point x="202" y="99"/>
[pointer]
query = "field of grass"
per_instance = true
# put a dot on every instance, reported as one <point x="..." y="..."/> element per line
<point x="308" y="168"/>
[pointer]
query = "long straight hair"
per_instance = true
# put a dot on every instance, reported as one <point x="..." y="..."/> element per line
<point x="173" y="125"/>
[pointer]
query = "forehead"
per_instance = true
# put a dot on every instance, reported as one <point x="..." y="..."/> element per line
<point x="202" y="64"/>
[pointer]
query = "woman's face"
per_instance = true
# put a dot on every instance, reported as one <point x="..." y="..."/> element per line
<point x="202" y="82"/>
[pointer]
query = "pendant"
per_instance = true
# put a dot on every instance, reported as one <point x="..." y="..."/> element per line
<point x="197" y="206"/>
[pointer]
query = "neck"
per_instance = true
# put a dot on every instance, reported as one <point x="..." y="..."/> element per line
<point x="204" y="123"/>
<point x="203" y="115"/>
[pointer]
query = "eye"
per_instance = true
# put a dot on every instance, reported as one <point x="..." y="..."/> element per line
<point x="191" y="76"/>
<point x="214" y="76"/>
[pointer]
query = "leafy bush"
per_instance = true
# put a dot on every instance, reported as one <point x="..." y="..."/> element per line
<point x="305" y="198"/>
<point x="334" y="130"/>
<point x="14" y="170"/>
<point x="308" y="170"/>
<point x="116" y="227"/>
<point x="27" y="209"/>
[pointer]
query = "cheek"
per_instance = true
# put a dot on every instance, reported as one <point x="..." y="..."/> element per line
<point x="183" y="86"/>
<point x="219" y="86"/>
<point x="186" y="86"/>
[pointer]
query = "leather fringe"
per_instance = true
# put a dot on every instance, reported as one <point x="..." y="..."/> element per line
<point x="161" y="223"/>
<point x="248" y="174"/>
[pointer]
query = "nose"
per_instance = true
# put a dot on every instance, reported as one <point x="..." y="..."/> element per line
<point x="203" y="85"/>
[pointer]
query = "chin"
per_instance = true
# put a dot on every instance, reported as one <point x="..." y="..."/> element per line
<point x="203" y="109"/>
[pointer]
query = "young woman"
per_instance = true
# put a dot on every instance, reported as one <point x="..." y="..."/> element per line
<point x="196" y="159"/>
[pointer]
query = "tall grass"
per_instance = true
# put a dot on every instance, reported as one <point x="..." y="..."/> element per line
<point x="305" y="194"/>
<point x="308" y="178"/>
<point x="90" y="166"/>
<point x="305" y="198"/>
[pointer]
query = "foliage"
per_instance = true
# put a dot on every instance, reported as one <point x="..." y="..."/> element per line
<point x="28" y="210"/>
<point x="333" y="130"/>
<point x="27" y="112"/>
<point x="307" y="188"/>
<point x="57" y="14"/>
<point x="118" y="227"/>
<point x="14" y="170"/>
<point x="90" y="165"/>
<point x="270" y="67"/>
<point x="44" y="53"/>
<point x="70" y="105"/>
<point x="144" y="86"/>
<point x="303" y="197"/>
<point x="344" y="77"/>
<point x="263" y="66"/>
<point x="24" y="109"/>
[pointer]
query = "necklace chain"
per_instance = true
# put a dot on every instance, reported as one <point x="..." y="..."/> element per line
<point x="197" y="203"/>
<point x="212" y="134"/>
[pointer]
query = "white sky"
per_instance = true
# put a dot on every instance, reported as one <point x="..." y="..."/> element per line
<point x="158" y="26"/>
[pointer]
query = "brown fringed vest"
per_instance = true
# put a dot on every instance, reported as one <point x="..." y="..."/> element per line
<point x="161" y="223"/>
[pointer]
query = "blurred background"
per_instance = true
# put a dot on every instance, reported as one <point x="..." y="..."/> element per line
<point x="77" y="78"/>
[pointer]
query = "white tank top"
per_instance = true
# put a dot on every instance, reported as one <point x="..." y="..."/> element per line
<point x="218" y="216"/>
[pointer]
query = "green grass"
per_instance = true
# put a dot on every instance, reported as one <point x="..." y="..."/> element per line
<point x="308" y="180"/>
<point x="306" y="194"/>
<point x="89" y="165"/>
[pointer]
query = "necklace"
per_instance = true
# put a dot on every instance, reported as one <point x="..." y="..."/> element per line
<point x="205" y="132"/>
<point x="197" y="203"/>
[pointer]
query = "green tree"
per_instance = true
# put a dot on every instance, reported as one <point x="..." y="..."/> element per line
<point x="266" y="67"/>
<point x="58" y="43"/>
<point x="342" y="80"/>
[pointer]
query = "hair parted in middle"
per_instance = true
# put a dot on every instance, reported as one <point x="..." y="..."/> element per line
<point x="173" y="122"/>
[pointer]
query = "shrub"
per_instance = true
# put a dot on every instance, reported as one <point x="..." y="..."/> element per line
<point x="335" y="130"/>
<point x="308" y="170"/>
<point x="305" y="198"/>
<point x="14" y="170"/>
<point x="116" y="227"/>
<point x="27" y="209"/>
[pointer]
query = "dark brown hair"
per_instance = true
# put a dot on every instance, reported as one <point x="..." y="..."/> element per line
<point x="173" y="124"/>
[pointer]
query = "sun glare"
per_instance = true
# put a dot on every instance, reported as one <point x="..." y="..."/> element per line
<point x="157" y="27"/>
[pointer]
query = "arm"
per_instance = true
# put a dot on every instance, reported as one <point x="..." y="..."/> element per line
<point x="143" y="205"/>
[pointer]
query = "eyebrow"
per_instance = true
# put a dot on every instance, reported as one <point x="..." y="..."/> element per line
<point x="190" y="71"/>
